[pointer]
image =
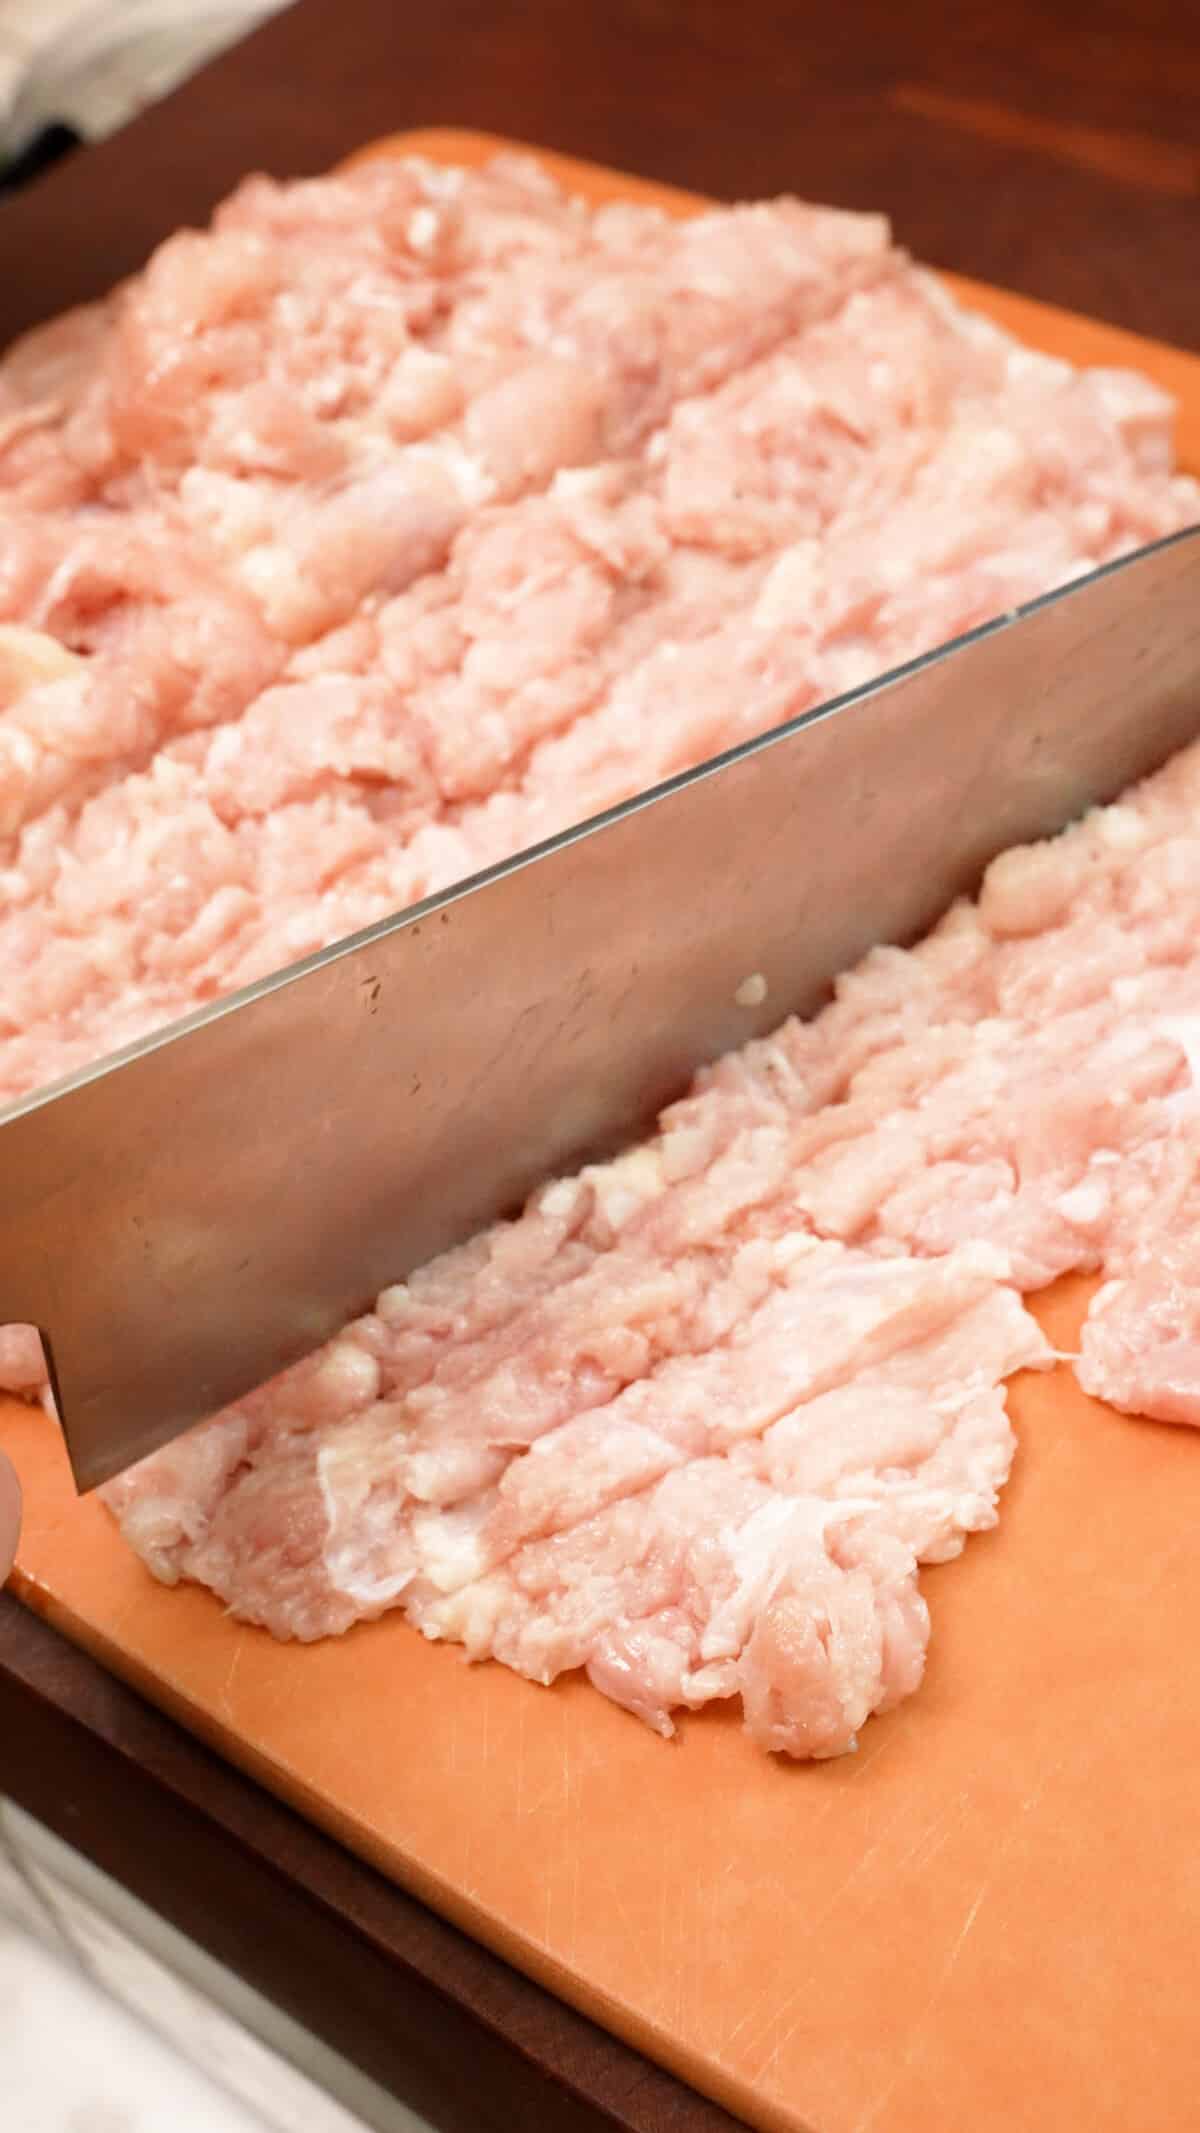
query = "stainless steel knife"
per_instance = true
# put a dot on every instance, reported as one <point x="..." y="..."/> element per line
<point x="192" y="1213"/>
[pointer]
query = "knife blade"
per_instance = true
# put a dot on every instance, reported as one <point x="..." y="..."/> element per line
<point x="189" y="1215"/>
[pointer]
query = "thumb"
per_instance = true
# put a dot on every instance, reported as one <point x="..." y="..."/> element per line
<point x="10" y="1516"/>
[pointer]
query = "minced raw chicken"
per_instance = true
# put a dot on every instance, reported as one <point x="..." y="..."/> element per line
<point x="407" y="516"/>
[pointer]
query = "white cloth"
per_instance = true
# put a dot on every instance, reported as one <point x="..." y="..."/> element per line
<point x="92" y="66"/>
<point x="111" y="2018"/>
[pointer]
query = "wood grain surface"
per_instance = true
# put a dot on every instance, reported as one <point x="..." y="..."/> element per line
<point x="1045" y="146"/>
<point x="1042" y="145"/>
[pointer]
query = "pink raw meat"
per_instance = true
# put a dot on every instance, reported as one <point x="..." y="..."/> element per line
<point x="531" y="1442"/>
<point x="306" y="1523"/>
<point x="125" y="636"/>
<point x="1140" y="1346"/>
<point x="707" y="1587"/>
<point x="405" y="517"/>
<point x="448" y="338"/>
<point x="579" y="644"/>
<point x="22" y="1367"/>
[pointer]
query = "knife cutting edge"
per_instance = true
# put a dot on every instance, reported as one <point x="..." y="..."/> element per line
<point x="190" y="1214"/>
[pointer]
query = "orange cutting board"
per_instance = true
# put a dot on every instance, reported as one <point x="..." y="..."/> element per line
<point x="988" y="1918"/>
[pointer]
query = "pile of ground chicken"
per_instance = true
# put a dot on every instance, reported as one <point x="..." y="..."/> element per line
<point x="408" y="516"/>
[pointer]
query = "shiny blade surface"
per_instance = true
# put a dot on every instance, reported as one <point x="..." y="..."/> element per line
<point x="188" y="1216"/>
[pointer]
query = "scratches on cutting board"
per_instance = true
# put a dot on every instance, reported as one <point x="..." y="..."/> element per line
<point x="778" y="2026"/>
<point x="228" y="1711"/>
<point x="770" y="2028"/>
<point x="921" y="2026"/>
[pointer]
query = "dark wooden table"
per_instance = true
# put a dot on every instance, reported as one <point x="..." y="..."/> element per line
<point x="1049" y="145"/>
